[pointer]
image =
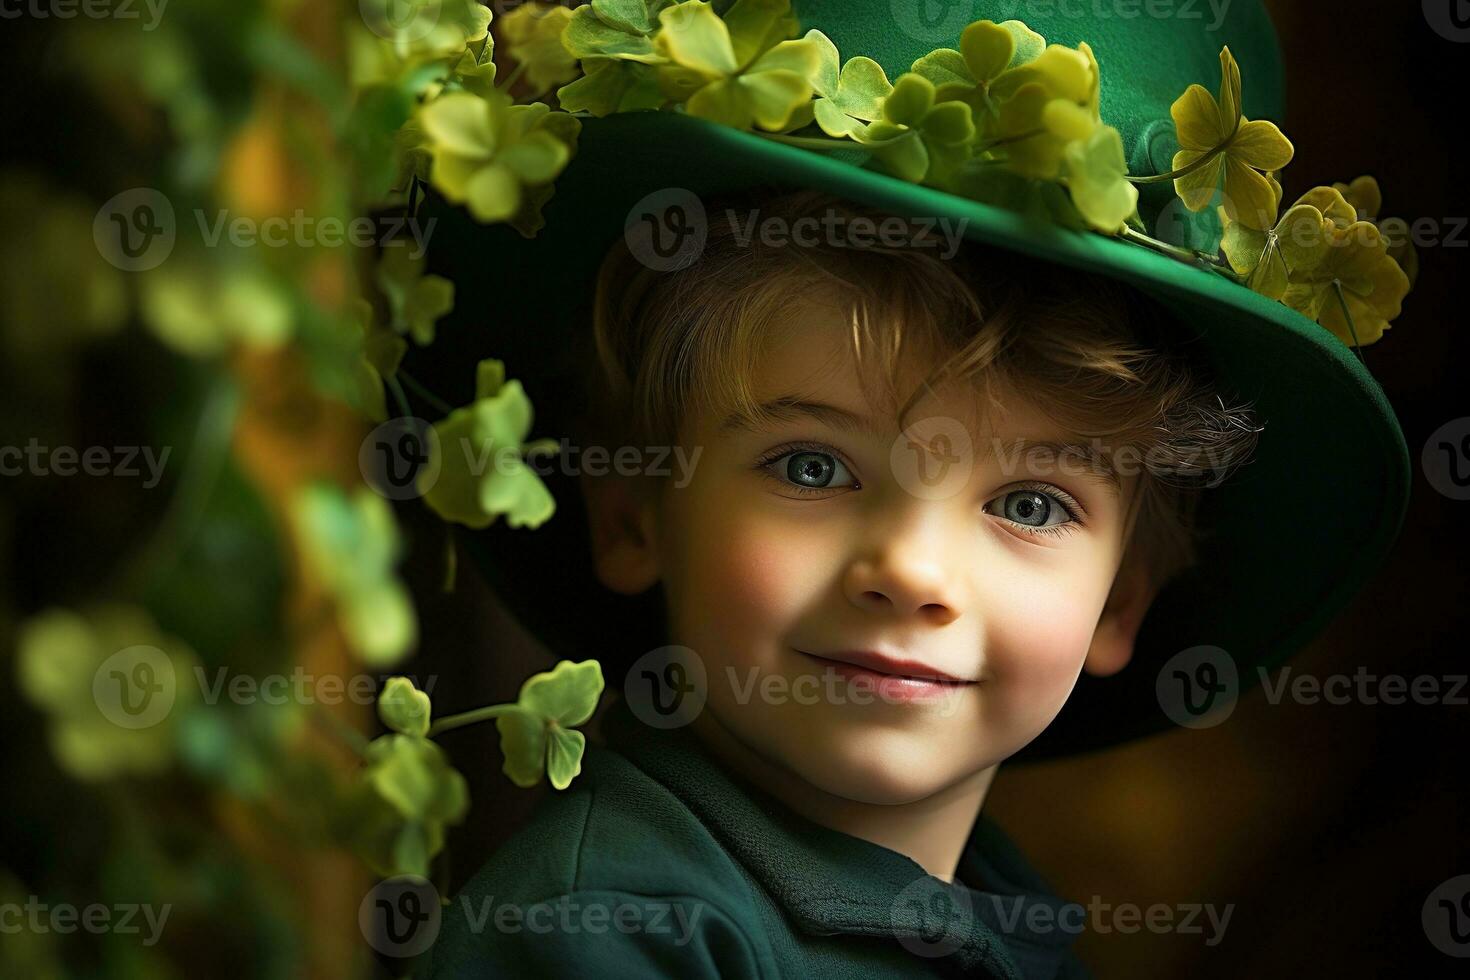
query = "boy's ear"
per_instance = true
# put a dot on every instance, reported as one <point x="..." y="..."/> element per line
<point x="621" y="516"/>
<point x="1133" y="592"/>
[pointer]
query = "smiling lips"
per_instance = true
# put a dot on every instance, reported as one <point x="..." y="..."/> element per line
<point x="891" y="678"/>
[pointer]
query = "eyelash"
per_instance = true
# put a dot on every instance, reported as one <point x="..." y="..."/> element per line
<point x="770" y="456"/>
<point x="1067" y="502"/>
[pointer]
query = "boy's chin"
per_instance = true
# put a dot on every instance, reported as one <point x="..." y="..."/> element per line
<point x="884" y="772"/>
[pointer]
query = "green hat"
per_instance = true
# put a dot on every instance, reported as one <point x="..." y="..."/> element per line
<point x="1288" y="540"/>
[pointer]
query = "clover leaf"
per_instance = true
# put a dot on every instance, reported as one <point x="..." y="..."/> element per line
<point x="487" y="152"/>
<point x="1043" y="106"/>
<point x="427" y="28"/>
<point x="396" y="811"/>
<point x="532" y="33"/>
<point x="204" y="309"/>
<point x="1218" y="141"/>
<point x="538" y="735"/>
<point x="1364" y="195"/>
<point x="1095" y="172"/>
<point x="850" y="98"/>
<point x="618" y="29"/>
<point x="374" y="354"/>
<point x="737" y="71"/>
<point x="1265" y="258"/>
<point x="1355" y="289"/>
<point x="404" y="708"/>
<point x="609" y="86"/>
<point x="915" y="138"/>
<point x="483" y="473"/>
<point x="473" y="75"/>
<point x="351" y="544"/>
<point x="406" y="44"/>
<point x="415" y="300"/>
<point x="614" y="40"/>
<point x="987" y="50"/>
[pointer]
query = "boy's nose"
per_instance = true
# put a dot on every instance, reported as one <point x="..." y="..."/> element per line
<point x="906" y="575"/>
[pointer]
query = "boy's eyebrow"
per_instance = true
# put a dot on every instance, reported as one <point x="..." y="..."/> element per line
<point x="790" y="408"/>
<point x="1093" y="464"/>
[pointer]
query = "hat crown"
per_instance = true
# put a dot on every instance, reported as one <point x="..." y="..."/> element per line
<point x="1148" y="53"/>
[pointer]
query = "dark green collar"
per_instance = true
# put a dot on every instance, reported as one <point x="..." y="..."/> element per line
<point x="830" y="882"/>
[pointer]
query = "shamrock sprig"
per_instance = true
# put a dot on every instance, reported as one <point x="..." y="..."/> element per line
<point x="407" y="792"/>
<point x="395" y="812"/>
<point x="482" y="450"/>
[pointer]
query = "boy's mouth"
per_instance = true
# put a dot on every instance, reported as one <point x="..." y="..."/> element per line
<point x="869" y="661"/>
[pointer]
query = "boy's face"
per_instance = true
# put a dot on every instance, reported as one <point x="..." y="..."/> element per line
<point x="795" y="546"/>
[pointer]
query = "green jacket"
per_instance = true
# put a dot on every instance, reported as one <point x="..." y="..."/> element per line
<point x="656" y="862"/>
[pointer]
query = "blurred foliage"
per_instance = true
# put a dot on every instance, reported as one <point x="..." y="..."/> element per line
<point x="198" y="288"/>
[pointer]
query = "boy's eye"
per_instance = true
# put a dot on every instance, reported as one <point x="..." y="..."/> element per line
<point x="1032" y="508"/>
<point x="812" y="470"/>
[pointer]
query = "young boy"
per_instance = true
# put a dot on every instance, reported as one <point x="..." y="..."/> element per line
<point x="916" y="516"/>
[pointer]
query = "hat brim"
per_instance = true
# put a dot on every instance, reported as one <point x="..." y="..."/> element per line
<point x="1288" y="540"/>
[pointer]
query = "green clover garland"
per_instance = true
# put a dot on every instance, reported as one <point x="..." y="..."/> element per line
<point x="1002" y="105"/>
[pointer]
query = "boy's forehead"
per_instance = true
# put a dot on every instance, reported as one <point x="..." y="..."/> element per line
<point x="809" y="361"/>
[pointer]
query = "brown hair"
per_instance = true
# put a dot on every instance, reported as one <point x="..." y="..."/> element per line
<point x="1098" y="357"/>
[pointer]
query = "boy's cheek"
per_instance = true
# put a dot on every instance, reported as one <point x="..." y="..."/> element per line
<point x="744" y="583"/>
<point x="763" y="581"/>
<point x="1037" y="650"/>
